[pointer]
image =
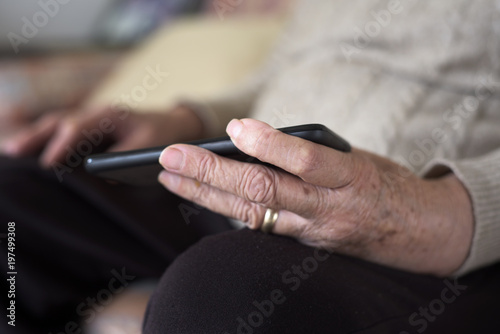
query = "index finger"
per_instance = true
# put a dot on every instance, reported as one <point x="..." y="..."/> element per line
<point x="313" y="163"/>
<point x="255" y="183"/>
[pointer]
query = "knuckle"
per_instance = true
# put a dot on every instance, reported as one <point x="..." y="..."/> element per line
<point x="324" y="204"/>
<point x="306" y="159"/>
<point x="248" y="213"/>
<point x="208" y="165"/>
<point x="259" y="184"/>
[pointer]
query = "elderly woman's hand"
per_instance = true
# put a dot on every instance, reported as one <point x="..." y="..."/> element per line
<point x="55" y="133"/>
<point x="329" y="199"/>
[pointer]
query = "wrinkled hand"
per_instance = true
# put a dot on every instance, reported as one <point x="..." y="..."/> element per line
<point x="329" y="199"/>
<point x="123" y="130"/>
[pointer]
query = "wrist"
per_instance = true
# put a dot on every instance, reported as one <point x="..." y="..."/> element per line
<point x="449" y="209"/>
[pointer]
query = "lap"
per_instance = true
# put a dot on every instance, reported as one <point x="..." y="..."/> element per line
<point x="73" y="235"/>
<point x="249" y="282"/>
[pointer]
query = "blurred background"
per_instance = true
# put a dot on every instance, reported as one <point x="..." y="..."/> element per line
<point x="74" y="54"/>
<point x="55" y="54"/>
<point x="90" y="23"/>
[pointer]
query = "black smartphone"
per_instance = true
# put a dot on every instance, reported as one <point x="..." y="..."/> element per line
<point x="141" y="167"/>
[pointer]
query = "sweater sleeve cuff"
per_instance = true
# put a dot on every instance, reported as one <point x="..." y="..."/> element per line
<point x="481" y="178"/>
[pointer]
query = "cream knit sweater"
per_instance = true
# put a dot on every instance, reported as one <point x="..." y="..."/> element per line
<point x="415" y="81"/>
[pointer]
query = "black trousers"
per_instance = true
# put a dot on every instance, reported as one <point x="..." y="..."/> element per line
<point x="82" y="236"/>
<point x="75" y="237"/>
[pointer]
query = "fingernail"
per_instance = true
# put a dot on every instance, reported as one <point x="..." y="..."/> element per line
<point x="234" y="128"/>
<point x="172" y="159"/>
